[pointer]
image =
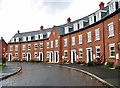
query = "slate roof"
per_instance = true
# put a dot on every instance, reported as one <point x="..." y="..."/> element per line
<point x="60" y="28"/>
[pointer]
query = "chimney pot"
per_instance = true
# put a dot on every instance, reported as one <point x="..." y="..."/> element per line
<point x="18" y="32"/>
<point x="68" y="20"/>
<point x="1" y="37"/>
<point x="41" y="27"/>
<point x="101" y="5"/>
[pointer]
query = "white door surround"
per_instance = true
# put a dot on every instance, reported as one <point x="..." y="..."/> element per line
<point x="51" y="56"/>
<point x="56" y="56"/>
<point x="89" y="54"/>
<point x="73" y="56"/>
<point x="28" y="56"/>
<point x="40" y="56"/>
<point x="10" y="57"/>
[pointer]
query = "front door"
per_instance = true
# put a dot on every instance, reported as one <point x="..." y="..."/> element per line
<point x="40" y="56"/>
<point x="56" y="55"/>
<point x="89" y="54"/>
<point x="73" y="56"/>
<point x="28" y="56"/>
<point x="10" y="57"/>
<point x="51" y="56"/>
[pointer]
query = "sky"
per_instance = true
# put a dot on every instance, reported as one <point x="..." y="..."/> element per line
<point x="29" y="15"/>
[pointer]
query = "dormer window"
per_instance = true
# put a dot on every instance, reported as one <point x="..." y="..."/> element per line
<point x="80" y="24"/>
<point x="48" y="34"/>
<point x="98" y="14"/>
<point x="17" y="39"/>
<point x="75" y="26"/>
<point x="12" y="40"/>
<point x="113" y="5"/>
<point x="24" y="38"/>
<point x="36" y="37"/>
<point x="119" y="3"/>
<point x="41" y="36"/>
<point x="66" y="30"/>
<point x="91" y="19"/>
<point x="29" y="38"/>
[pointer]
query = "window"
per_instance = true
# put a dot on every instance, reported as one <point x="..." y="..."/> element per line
<point x="91" y="19"/>
<point x="111" y="30"/>
<point x="89" y="37"/>
<point x="66" y="30"/>
<point x="73" y="40"/>
<point x="48" y="44"/>
<point x="16" y="55"/>
<point x="29" y="38"/>
<point x="3" y="49"/>
<point x="23" y="47"/>
<point x="29" y="46"/>
<point x="97" y="34"/>
<point x="80" y="39"/>
<point x="48" y="55"/>
<point x="65" y="42"/>
<point x="23" y="55"/>
<point x="16" y="47"/>
<point x="56" y="43"/>
<point x="80" y="53"/>
<point x="12" y="40"/>
<point x="98" y="15"/>
<point x="97" y="51"/>
<point x="41" y="36"/>
<point x="35" y="55"/>
<point x="17" y="39"/>
<point x="81" y="24"/>
<point x="119" y="3"/>
<point x="11" y="48"/>
<point x="36" y="37"/>
<point x="24" y="38"/>
<point x="65" y="53"/>
<point x="75" y="26"/>
<point x="112" y="50"/>
<point x="35" y="46"/>
<point x="51" y="44"/>
<point x="112" y="7"/>
<point x="41" y="45"/>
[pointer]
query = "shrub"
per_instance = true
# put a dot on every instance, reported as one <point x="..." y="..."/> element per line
<point x="32" y="60"/>
<point x="83" y="63"/>
<point x="110" y="64"/>
<point x="3" y="61"/>
<point x="90" y="63"/>
<point x="117" y="67"/>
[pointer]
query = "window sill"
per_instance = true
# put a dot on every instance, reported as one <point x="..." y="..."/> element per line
<point x="111" y="36"/>
<point x="112" y="57"/>
<point x="97" y="40"/>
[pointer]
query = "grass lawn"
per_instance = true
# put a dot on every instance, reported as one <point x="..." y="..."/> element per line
<point x="2" y="67"/>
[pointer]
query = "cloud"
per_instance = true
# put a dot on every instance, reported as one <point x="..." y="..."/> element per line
<point x="53" y="6"/>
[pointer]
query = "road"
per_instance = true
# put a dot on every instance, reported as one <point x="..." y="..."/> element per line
<point x="41" y="74"/>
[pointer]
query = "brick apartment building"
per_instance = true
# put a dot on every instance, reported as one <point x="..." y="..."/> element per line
<point x="3" y="48"/>
<point x="95" y="37"/>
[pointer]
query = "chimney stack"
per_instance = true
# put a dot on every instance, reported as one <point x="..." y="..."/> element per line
<point x="18" y="32"/>
<point x="41" y="28"/>
<point x="101" y="5"/>
<point x="68" y="20"/>
<point x="1" y="38"/>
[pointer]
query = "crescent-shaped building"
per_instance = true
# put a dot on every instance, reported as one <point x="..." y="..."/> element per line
<point x="95" y="37"/>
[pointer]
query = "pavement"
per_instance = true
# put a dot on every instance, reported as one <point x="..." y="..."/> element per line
<point x="109" y="77"/>
<point x="9" y="70"/>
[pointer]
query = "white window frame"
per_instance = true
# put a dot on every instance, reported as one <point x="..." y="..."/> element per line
<point x="64" y="53"/>
<point x="24" y="38"/>
<point x="29" y="38"/>
<point x="66" y="30"/>
<point x="75" y="25"/>
<point x="48" y="44"/>
<point x="11" y="48"/>
<point x="23" y="55"/>
<point x="112" y="6"/>
<point x="23" y="47"/>
<point x="89" y="34"/>
<point x="81" y="24"/>
<point x="48" y="55"/>
<point x="91" y="19"/>
<point x="16" y="47"/>
<point x="111" y="45"/>
<point x="48" y="34"/>
<point x="65" y="42"/>
<point x="97" y="34"/>
<point x="36" y="37"/>
<point x="51" y="44"/>
<point x="35" y="48"/>
<point x="80" y="38"/>
<point x="98" y="15"/>
<point x="97" y="47"/>
<point x="17" y="39"/>
<point x="73" y="40"/>
<point x="35" y="55"/>
<point x="29" y="46"/>
<point x="56" y="43"/>
<point x="111" y="29"/>
<point x="80" y="53"/>
<point x="16" y="55"/>
<point x="41" y="36"/>
<point x="41" y="44"/>
<point x="119" y="3"/>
